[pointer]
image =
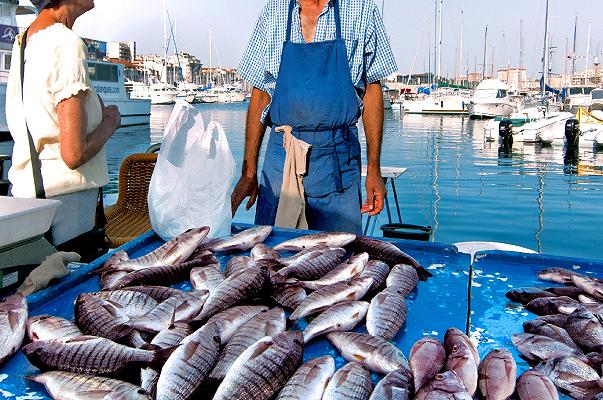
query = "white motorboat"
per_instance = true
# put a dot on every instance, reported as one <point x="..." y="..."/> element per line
<point x="591" y="128"/>
<point x="227" y="94"/>
<point x="205" y="96"/>
<point x="577" y="97"/>
<point x="163" y="94"/>
<point x="533" y="125"/>
<point x="447" y="104"/>
<point x="491" y="99"/>
<point x="596" y="100"/>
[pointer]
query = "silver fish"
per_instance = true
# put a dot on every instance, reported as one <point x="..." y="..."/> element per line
<point x="567" y="371"/>
<point x="403" y="277"/>
<point x="238" y="263"/>
<point x="134" y="304"/>
<point x="311" y="265"/>
<point x="550" y="305"/>
<point x="310" y="380"/>
<point x="45" y="327"/>
<point x="534" y="385"/>
<point x="444" y="386"/>
<point x="540" y="327"/>
<point x="207" y="277"/>
<point x="13" y="320"/>
<point x="497" y="375"/>
<point x="378" y="270"/>
<point x="591" y="390"/>
<point x="187" y="368"/>
<point x="586" y="329"/>
<point x="90" y="355"/>
<point x="315" y="240"/>
<point x="325" y="297"/>
<point x="461" y="361"/>
<point x="69" y="386"/>
<point x="343" y="272"/>
<point x="558" y="275"/>
<point x="264" y="368"/>
<point x="267" y="323"/>
<point x="148" y="381"/>
<point x="159" y="293"/>
<point x="397" y="385"/>
<point x="591" y="287"/>
<point x="229" y="321"/>
<point x="98" y="317"/>
<point x="351" y="382"/>
<point x="341" y="317"/>
<point x="288" y="296"/>
<point x="427" y="359"/>
<point x="243" y="241"/>
<point x="455" y="337"/>
<point x="387" y="313"/>
<point x="587" y="300"/>
<point x="540" y="348"/>
<point x="263" y="252"/>
<point x="374" y="353"/>
<point x="242" y="285"/>
<point x="110" y="280"/>
<point x="172" y="336"/>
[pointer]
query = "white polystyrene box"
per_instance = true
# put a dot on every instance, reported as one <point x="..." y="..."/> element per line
<point x="22" y="219"/>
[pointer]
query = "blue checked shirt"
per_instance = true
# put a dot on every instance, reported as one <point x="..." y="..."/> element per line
<point x="369" y="53"/>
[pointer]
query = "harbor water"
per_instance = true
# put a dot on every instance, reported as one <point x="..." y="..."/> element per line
<point x="532" y="196"/>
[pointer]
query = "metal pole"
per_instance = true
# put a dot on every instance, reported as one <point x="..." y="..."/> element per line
<point x="485" y="54"/>
<point x="574" y="52"/>
<point x="439" y="73"/>
<point x="545" y="58"/>
<point x="587" y="56"/>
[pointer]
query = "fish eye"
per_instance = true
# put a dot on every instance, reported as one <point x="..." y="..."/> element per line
<point x="297" y="341"/>
<point x="338" y="325"/>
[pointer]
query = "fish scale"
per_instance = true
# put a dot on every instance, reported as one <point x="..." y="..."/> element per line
<point x="565" y="371"/>
<point x="289" y="296"/>
<point x="172" y="335"/>
<point x="313" y="264"/>
<point x="45" y="327"/>
<point x="538" y="348"/>
<point x="387" y="313"/>
<point x="159" y="293"/>
<point x="446" y="386"/>
<point x="396" y="385"/>
<point x="309" y="381"/>
<point x="229" y="321"/>
<point x="98" y="317"/>
<point x="244" y="240"/>
<point x="314" y="240"/>
<point x="427" y="358"/>
<point x="351" y="382"/>
<point x="344" y="271"/>
<point x="534" y="385"/>
<point x="378" y="270"/>
<point x="207" y="277"/>
<point x="540" y="327"/>
<point x="404" y="278"/>
<point x="339" y="318"/>
<point x="135" y="304"/>
<point x="586" y="329"/>
<point x="497" y="375"/>
<point x="238" y="263"/>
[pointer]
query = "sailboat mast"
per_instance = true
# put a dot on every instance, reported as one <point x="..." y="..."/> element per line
<point x="545" y="58"/>
<point x="574" y="52"/>
<point x="439" y="69"/>
<point x="461" y="66"/>
<point x="587" y="56"/>
<point x="165" y="42"/>
<point x="485" y="54"/>
<point x="210" y="83"/>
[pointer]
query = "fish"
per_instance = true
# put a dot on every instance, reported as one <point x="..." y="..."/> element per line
<point x="98" y="317"/>
<point x="288" y="296"/>
<point x="558" y="275"/>
<point x="309" y="381"/>
<point x="267" y="323"/>
<point x="159" y="293"/>
<point x="388" y="253"/>
<point x="397" y="385"/>
<point x="238" y="263"/>
<point x="527" y="294"/>
<point x="566" y="371"/>
<point x="497" y="375"/>
<point x="427" y="359"/>
<point x="343" y="272"/>
<point x="378" y="270"/>
<point x="242" y="285"/>
<point x="462" y="362"/>
<point x="549" y="305"/>
<point x="455" y="337"/>
<point x="134" y="304"/>
<point x="569" y="308"/>
<point x="586" y="329"/>
<point x="534" y="385"/>
<point x="175" y="251"/>
<point x="109" y="280"/>
<point x="45" y="327"/>
<point x="263" y="252"/>
<point x="172" y="336"/>
<point x="186" y="370"/>
<point x="207" y="277"/>
<point x="569" y="291"/>
<point x="350" y="382"/>
<point x="591" y="287"/>
<point x="587" y="300"/>
<point x="444" y="386"/>
<point x="13" y="321"/>
<point x="554" y="319"/>
<point x="229" y="321"/>
<point x="243" y="241"/>
<point x="90" y="355"/>
<point x="327" y="296"/>
<point x="316" y="240"/>
<point x="374" y="353"/>
<point x="387" y="313"/>
<point x="341" y="317"/>
<point x="70" y="386"/>
<point x="148" y="381"/>
<point x="311" y="265"/>
<point x="404" y="278"/>
<point x="264" y="368"/>
<point x="536" y="348"/>
<point x="540" y="327"/>
<point x="591" y="390"/>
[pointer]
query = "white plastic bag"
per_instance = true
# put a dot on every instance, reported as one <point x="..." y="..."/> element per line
<point x="191" y="184"/>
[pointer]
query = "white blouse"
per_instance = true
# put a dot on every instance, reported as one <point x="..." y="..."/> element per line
<point x="55" y="70"/>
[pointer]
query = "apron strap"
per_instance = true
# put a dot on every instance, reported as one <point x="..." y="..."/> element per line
<point x="337" y="18"/>
<point x="290" y="19"/>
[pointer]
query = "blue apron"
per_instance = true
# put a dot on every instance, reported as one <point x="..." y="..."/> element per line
<point x="315" y="95"/>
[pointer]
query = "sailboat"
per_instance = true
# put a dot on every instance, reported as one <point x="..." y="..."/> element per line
<point x="163" y="93"/>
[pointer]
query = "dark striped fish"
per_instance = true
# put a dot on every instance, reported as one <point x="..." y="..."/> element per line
<point x="343" y="272"/>
<point x="267" y="323"/>
<point x="229" y="321"/>
<point x="241" y="286"/>
<point x="586" y="329"/>
<point x="540" y="327"/>
<point x="45" y="327"/>
<point x="172" y="336"/>
<point x="316" y="240"/>
<point x="98" y="317"/>
<point x="69" y="386"/>
<point x="288" y="296"/>
<point x="264" y="368"/>
<point x="527" y="294"/>
<point x="311" y="265"/>
<point x="263" y="252"/>
<point x="566" y="372"/>
<point x="446" y="386"/>
<point x="341" y="317"/>
<point x="497" y="375"/>
<point x="550" y="305"/>
<point x="534" y="385"/>
<point x="378" y="270"/>
<point x="554" y="319"/>
<point x="159" y="293"/>
<point x="13" y="320"/>
<point x="238" y="263"/>
<point x="427" y="358"/>
<point x="90" y="355"/>
<point x="538" y="348"/>
<point x="109" y="280"/>
<point x="591" y="287"/>
<point x="388" y="253"/>
<point x="309" y="381"/>
<point x="134" y="304"/>
<point x="351" y="382"/>
<point x="558" y="275"/>
<point x="569" y="291"/>
<point x="327" y="296"/>
<point x="148" y="381"/>
<point x="244" y="240"/>
<point x="404" y="278"/>
<point x="186" y="370"/>
<point x="207" y="277"/>
<point x="396" y="385"/>
<point x="387" y="313"/>
<point x="374" y="353"/>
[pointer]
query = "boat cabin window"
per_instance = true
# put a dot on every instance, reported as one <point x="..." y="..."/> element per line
<point x="597" y="94"/>
<point x="580" y="90"/>
<point x="501" y="94"/>
<point x="103" y="72"/>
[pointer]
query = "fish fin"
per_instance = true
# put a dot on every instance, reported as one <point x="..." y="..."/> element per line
<point x="95" y="394"/>
<point x="423" y="273"/>
<point x="161" y="357"/>
<point x="13" y="319"/>
<point x="261" y="349"/>
<point x="149" y="346"/>
<point x="359" y="357"/>
<point x="173" y="320"/>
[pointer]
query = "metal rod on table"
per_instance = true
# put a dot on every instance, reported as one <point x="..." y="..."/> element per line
<point x="389" y="213"/>
<point x="396" y="200"/>
<point x="469" y="294"/>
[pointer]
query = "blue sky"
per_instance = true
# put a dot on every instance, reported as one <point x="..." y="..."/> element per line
<point x="233" y="20"/>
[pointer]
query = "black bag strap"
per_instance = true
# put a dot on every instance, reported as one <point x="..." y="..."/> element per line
<point x="36" y="164"/>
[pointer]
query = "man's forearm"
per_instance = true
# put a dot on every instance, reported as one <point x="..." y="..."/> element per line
<point x="372" y="119"/>
<point x="254" y="131"/>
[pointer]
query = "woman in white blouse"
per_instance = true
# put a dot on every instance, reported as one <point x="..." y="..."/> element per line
<point x="67" y="120"/>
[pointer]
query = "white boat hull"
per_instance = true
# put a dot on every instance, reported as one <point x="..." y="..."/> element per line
<point x="490" y="110"/>
<point x="449" y="105"/>
<point x="550" y="130"/>
<point x="163" y="98"/>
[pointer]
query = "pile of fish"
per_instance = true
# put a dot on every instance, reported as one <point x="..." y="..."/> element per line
<point x="565" y="343"/>
<point x="230" y="336"/>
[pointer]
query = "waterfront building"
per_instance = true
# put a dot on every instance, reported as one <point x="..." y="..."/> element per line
<point x="516" y="78"/>
<point x="125" y="51"/>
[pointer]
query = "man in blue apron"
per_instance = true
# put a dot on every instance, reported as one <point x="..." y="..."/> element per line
<point x="316" y="66"/>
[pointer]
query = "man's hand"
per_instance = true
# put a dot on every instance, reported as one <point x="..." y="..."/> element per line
<point x="246" y="187"/>
<point x="375" y="191"/>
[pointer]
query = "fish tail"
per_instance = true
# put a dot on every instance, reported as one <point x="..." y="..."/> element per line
<point x="160" y="357"/>
<point x="423" y="273"/>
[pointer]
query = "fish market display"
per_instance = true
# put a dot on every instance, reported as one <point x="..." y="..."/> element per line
<point x="427" y="358"/>
<point x="342" y="317"/>
<point x="378" y="270"/>
<point x="134" y="304"/>
<point x="327" y="239"/>
<point x="45" y="327"/>
<point x="387" y="313"/>
<point x="243" y="241"/>
<point x="446" y="385"/>
<point x="289" y="297"/>
<point x="236" y="264"/>
<point x="497" y="375"/>
<point x="352" y="382"/>
<point x="309" y="381"/>
<point x="404" y="278"/>
<point x="534" y="385"/>
<point x="343" y="272"/>
<point x="312" y="264"/>
<point x="397" y="385"/>
<point x="207" y="277"/>
<point x="13" y="320"/>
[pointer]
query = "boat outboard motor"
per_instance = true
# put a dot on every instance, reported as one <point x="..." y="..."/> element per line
<point x="505" y="131"/>
<point x="572" y="132"/>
